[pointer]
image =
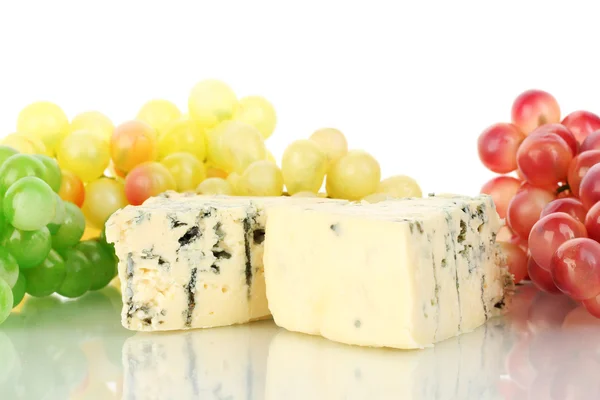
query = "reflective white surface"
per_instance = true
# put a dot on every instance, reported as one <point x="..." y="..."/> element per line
<point x="547" y="348"/>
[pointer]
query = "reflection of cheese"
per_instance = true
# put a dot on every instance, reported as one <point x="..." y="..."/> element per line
<point x="220" y="363"/>
<point x="307" y="367"/>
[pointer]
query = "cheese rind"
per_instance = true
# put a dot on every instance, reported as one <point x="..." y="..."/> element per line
<point x="404" y="273"/>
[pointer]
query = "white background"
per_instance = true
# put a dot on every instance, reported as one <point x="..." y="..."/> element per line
<point x="414" y="83"/>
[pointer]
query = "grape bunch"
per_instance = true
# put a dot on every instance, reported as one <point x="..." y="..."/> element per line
<point x="549" y="194"/>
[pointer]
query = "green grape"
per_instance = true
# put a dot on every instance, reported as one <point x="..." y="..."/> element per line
<point x="261" y="178"/>
<point x="103" y="197"/>
<point x="59" y="216"/>
<point x="242" y="145"/>
<point x="332" y="142"/>
<point x="159" y="114"/>
<point x="400" y="186"/>
<point x="6" y="300"/>
<point x="72" y="228"/>
<point x="210" y="102"/>
<point x="213" y="186"/>
<point x="46" y="278"/>
<point x="6" y="152"/>
<point x="29" y="248"/>
<point x="45" y="121"/>
<point x="303" y="166"/>
<point x="104" y="268"/>
<point x="29" y="204"/>
<point x="353" y="176"/>
<point x="78" y="278"/>
<point x="95" y="122"/>
<point x="187" y="171"/>
<point x="53" y="176"/>
<point x="183" y="136"/>
<point x="19" y="166"/>
<point x="19" y="289"/>
<point x="259" y="113"/>
<point x="84" y="154"/>
<point x="9" y="268"/>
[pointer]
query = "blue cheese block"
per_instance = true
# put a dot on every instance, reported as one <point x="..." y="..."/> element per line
<point x="403" y="273"/>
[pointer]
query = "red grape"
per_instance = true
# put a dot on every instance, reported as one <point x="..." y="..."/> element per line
<point x="589" y="189"/>
<point x="540" y="277"/>
<point x="576" y="268"/>
<point x="502" y="189"/>
<point x="526" y="185"/>
<point x="580" y="166"/>
<point x="569" y="205"/>
<point x="498" y="146"/>
<point x="525" y="208"/>
<point x="516" y="260"/>
<point x="592" y="305"/>
<point x="549" y="233"/>
<point x="592" y="222"/>
<point x="534" y="108"/>
<point x="146" y="180"/>
<point x="592" y="142"/>
<point x="543" y="159"/>
<point x="563" y="132"/>
<point x="581" y="124"/>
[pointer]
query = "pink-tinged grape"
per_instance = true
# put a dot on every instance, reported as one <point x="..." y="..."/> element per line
<point x="332" y="142"/>
<point x="261" y="178"/>
<point x="516" y="260"/>
<point x="592" y="222"/>
<point x="212" y="101"/>
<point x="214" y="186"/>
<point x="104" y="268"/>
<point x="133" y="143"/>
<point x="183" y="137"/>
<point x="505" y="234"/>
<point x="579" y="167"/>
<point x="71" y="188"/>
<point x="147" y="180"/>
<point x="543" y="159"/>
<point x="29" y="248"/>
<point x="502" y="189"/>
<point x="541" y="278"/>
<point x="258" y="112"/>
<point x="581" y="124"/>
<point x="564" y="133"/>
<point x="498" y="146"/>
<point x="94" y="122"/>
<point x="353" y="176"/>
<point x="549" y="233"/>
<point x="18" y="290"/>
<point x="187" y="171"/>
<point x="78" y="277"/>
<point x="576" y="268"/>
<point x="46" y="278"/>
<point x="525" y="208"/>
<point x="6" y="301"/>
<point x="400" y="186"/>
<point x="534" y="108"/>
<point x="6" y="152"/>
<point x="159" y="114"/>
<point x="103" y="197"/>
<point x="53" y="176"/>
<point x="45" y="121"/>
<point x="241" y="146"/>
<point x="9" y="268"/>
<point x="571" y="206"/>
<point x="214" y="172"/>
<point x="59" y="215"/>
<point x="72" y="228"/>
<point x="592" y="142"/>
<point x="84" y="154"/>
<point x="589" y="189"/>
<point x="29" y="204"/>
<point x="19" y="166"/>
<point x="303" y="166"/>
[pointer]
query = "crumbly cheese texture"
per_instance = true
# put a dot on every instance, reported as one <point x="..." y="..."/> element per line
<point x="403" y="273"/>
<point x="189" y="261"/>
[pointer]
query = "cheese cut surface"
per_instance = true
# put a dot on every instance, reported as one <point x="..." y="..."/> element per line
<point x="403" y="273"/>
<point x="189" y="261"/>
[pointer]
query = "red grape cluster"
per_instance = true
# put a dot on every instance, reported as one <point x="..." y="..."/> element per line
<point x="549" y="194"/>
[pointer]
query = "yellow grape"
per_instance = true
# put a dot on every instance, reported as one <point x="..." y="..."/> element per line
<point x="183" y="136"/>
<point x="133" y="143"/>
<point x="214" y="172"/>
<point x="238" y="146"/>
<point x="25" y="144"/>
<point x="215" y="186"/>
<point x="159" y="114"/>
<point x="400" y="186"/>
<point x="234" y="181"/>
<point x="332" y="142"/>
<point x="377" y="197"/>
<point x="261" y="178"/>
<point x="270" y="156"/>
<point x="84" y="154"/>
<point x="187" y="171"/>
<point x="46" y="121"/>
<point x="303" y="166"/>
<point x="305" y="194"/>
<point x="210" y="102"/>
<point x="90" y="232"/>
<point x="95" y="122"/>
<point x="353" y="176"/>
<point x="103" y="197"/>
<point x="258" y="112"/>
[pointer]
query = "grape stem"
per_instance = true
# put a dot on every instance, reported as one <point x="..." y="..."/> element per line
<point x="563" y="188"/>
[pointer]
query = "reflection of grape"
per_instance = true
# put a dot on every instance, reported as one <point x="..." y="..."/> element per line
<point x="187" y="171"/>
<point x="46" y="278"/>
<point x="78" y="278"/>
<point x="303" y="166"/>
<point x="212" y="101"/>
<point x="95" y="122"/>
<point x="103" y="197"/>
<point x="261" y="178"/>
<point x="44" y="120"/>
<point x="6" y="300"/>
<point x="259" y="113"/>
<point x="9" y="269"/>
<point x="353" y="176"/>
<point x="159" y="114"/>
<point x="19" y="289"/>
<point x="28" y="248"/>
